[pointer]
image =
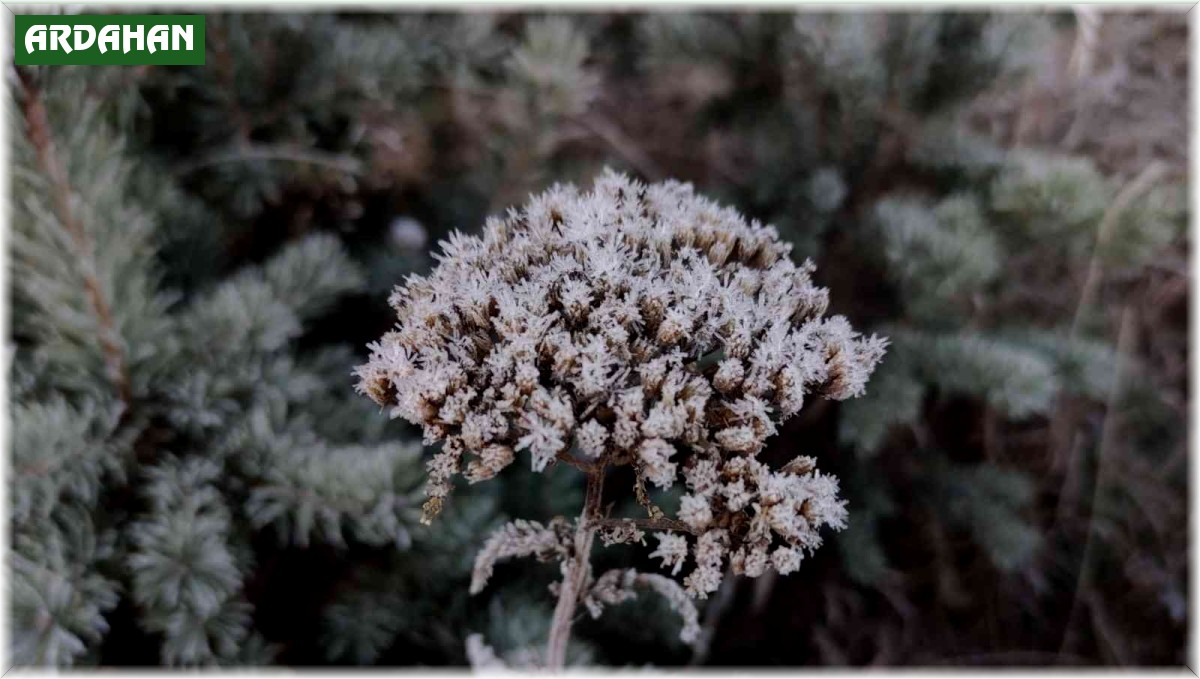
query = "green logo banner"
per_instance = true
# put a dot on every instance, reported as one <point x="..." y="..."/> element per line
<point x="116" y="39"/>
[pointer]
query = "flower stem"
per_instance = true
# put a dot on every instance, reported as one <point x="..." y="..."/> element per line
<point x="575" y="574"/>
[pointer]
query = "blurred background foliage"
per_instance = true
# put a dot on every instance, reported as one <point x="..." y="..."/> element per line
<point x="199" y="255"/>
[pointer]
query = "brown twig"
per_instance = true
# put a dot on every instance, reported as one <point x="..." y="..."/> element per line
<point x="764" y="586"/>
<point x="225" y="71"/>
<point x="1107" y="436"/>
<point x="37" y="124"/>
<point x="246" y="151"/>
<point x="1087" y="37"/>
<point x="575" y="575"/>
<point x="566" y="458"/>
<point x="1129" y="193"/>
<point x="1062" y="423"/>
<point x="712" y="618"/>
<point x="647" y="524"/>
<point x="622" y="144"/>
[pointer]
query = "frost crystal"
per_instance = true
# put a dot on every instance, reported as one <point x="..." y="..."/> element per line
<point x="632" y="324"/>
<point x="672" y="549"/>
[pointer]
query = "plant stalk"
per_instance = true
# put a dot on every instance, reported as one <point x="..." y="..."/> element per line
<point x="576" y="574"/>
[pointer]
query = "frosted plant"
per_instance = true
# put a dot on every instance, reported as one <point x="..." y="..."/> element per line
<point x="637" y="325"/>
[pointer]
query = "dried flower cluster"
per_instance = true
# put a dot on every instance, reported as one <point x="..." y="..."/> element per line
<point x="519" y="538"/>
<point x="740" y="500"/>
<point x="618" y="585"/>
<point x="632" y="324"/>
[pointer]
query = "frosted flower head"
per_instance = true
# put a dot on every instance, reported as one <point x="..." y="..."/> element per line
<point x="631" y="324"/>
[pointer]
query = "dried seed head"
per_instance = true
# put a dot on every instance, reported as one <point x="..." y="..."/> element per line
<point x="636" y="323"/>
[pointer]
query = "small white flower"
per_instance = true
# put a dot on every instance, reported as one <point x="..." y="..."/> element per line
<point x="786" y="560"/>
<point x="591" y="437"/>
<point x="656" y="466"/>
<point x="672" y="549"/>
<point x="709" y="553"/>
<point x="695" y="511"/>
